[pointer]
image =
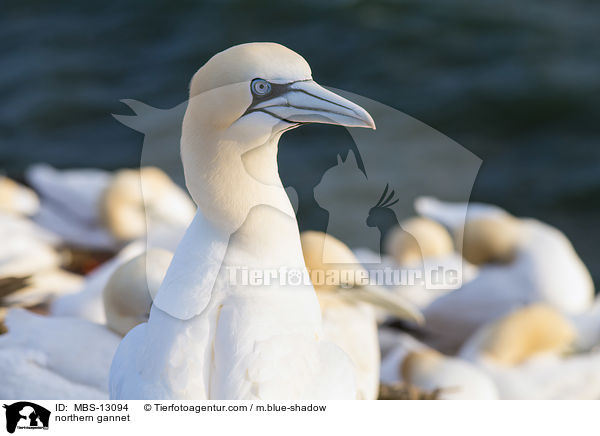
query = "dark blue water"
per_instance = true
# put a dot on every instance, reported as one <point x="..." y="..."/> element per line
<point x="516" y="82"/>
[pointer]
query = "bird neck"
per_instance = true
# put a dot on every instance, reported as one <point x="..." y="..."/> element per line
<point x="227" y="177"/>
<point x="234" y="179"/>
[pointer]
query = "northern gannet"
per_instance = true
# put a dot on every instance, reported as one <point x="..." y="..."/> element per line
<point x="97" y="209"/>
<point x="347" y="308"/>
<point x="129" y="292"/>
<point x="16" y="198"/>
<point x="86" y="302"/>
<point x="68" y="358"/>
<point x="143" y="205"/>
<point x="423" y="245"/>
<point x="53" y="357"/>
<point x="29" y="256"/>
<point x="208" y="336"/>
<point x="532" y="262"/>
<point x="26" y="248"/>
<point x="146" y="203"/>
<point x="524" y="353"/>
<point x="412" y="362"/>
<point x="416" y="239"/>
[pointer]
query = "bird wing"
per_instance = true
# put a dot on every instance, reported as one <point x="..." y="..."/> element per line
<point x="453" y="318"/>
<point x="453" y="215"/>
<point x="125" y="379"/>
<point x="25" y="376"/>
<point x="75" y="349"/>
<point x="548" y="377"/>
<point x="151" y="361"/>
<point x="165" y="358"/>
<point x="88" y="303"/>
<point x="190" y="279"/>
<point x="264" y="352"/>
<point x="321" y="370"/>
<point x="53" y="217"/>
<point x="78" y="192"/>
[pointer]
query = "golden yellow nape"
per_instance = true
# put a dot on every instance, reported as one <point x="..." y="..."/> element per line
<point x="129" y="293"/>
<point x="418" y="238"/>
<point x="313" y="243"/>
<point x="489" y="240"/>
<point x="534" y="329"/>
<point x="424" y="360"/>
<point x="16" y="198"/>
<point x="122" y="207"/>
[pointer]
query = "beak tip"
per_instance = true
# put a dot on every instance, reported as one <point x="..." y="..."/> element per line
<point x="368" y="119"/>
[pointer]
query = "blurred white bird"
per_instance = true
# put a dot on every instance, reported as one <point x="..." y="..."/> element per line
<point x="26" y="248"/>
<point x="410" y="361"/>
<point x="209" y="336"/>
<point x="69" y="358"/>
<point x="532" y="262"/>
<point x="16" y="198"/>
<point x="423" y="248"/>
<point x="523" y="352"/>
<point x="96" y="209"/>
<point x="73" y="354"/>
<point x="29" y="258"/>
<point x="347" y="306"/>
<point x="86" y="302"/>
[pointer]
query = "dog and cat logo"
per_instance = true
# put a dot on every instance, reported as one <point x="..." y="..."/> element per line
<point x="26" y="415"/>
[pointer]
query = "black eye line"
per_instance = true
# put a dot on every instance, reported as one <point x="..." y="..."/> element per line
<point x="276" y="90"/>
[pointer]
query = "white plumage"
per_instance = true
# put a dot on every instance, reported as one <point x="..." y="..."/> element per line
<point x="524" y="353"/>
<point x="535" y="263"/>
<point x="408" y="360"/>
<point x="53" y="357"/>
<point x="209" y="337"/>
<point x="69" y="358"/>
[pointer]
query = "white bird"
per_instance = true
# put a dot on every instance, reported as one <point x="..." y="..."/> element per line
<point x="28" y="255"/>
<point x="587" y="326"/>
<point x="347" y="303"/>
<point x="86" y="302"/>
<point x="71" y="204"/>
<point x="209" y="337"/>
<point x="532" y="262"/>
<point x="410" y="361"/>
<point x="26" y="248"/>
<point x="16" y="198"/>
<point x="523" y="353"/>
<point x="422" y="251"/>
<point x="69" y="358"/>
<point x="127" y="297"/>
<point x="97" y="209"/>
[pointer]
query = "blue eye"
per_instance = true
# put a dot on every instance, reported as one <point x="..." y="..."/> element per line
<point x="260" y="87"/>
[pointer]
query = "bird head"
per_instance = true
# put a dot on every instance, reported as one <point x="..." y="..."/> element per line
<point x="416" y="239"/>
<point x="490" y="239"/>
<point x="345" y="279"/>
<point x="256" y="90"/>
<point x="526" y="332"/>
<point x="129" y="292"/>
<point x="135" y="196"/>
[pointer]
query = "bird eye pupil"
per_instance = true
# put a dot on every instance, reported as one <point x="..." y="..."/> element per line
<point x="260" y="87"/>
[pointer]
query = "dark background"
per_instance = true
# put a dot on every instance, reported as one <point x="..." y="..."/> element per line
<point x="517" y="82"/>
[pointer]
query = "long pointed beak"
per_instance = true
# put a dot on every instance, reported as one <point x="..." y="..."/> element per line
<point x="308" y="102"/>
<point x="392" y="303"/>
